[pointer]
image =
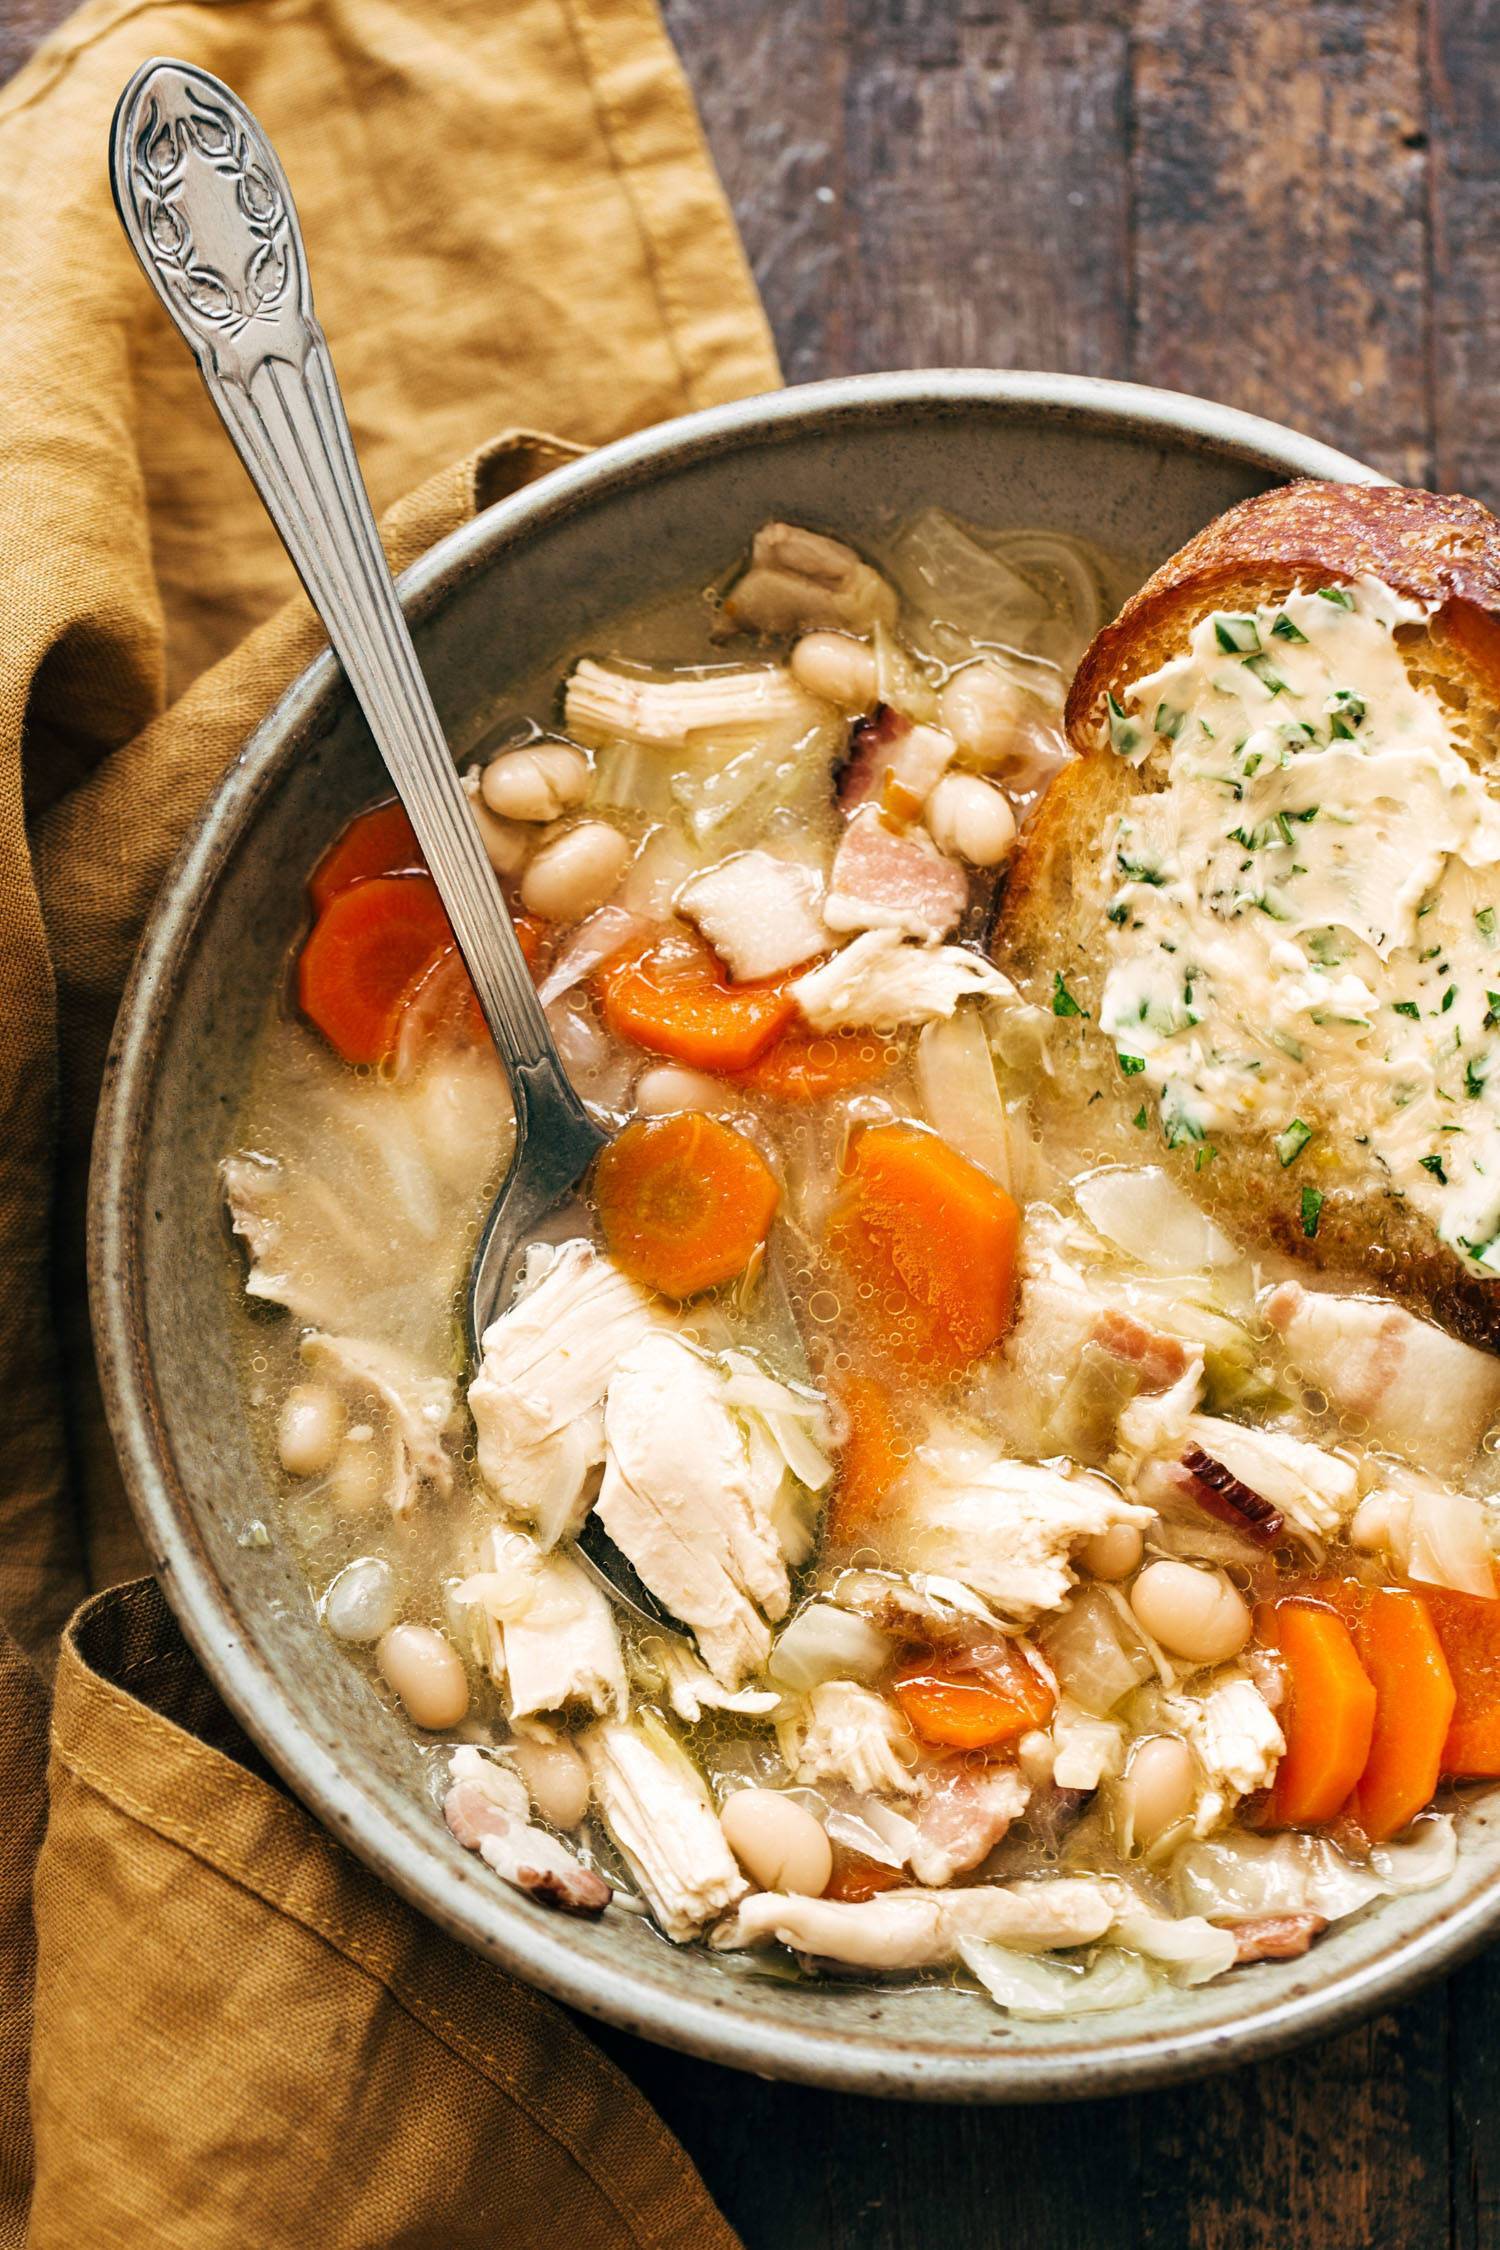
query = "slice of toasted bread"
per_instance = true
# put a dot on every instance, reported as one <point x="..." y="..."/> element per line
<point x="1054" y="939"/>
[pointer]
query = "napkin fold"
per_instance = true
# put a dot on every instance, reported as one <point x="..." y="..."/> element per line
<point x="215" y="2026"/>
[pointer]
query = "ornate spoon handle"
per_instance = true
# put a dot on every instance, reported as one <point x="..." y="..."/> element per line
<point x="207" y="209"/>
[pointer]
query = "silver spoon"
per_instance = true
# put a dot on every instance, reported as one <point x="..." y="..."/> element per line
<point x="207" y="210"/>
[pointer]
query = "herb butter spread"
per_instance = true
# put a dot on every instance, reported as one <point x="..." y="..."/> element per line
<point x="1302" y="923"/>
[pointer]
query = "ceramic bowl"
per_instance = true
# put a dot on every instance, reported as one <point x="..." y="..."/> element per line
<point x="1135" y="470"/>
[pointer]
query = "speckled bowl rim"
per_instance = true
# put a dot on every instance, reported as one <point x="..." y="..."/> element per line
<point x="718" y="2029"/>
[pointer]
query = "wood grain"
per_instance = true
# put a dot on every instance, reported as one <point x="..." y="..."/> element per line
<point x="1464" y="124"/>
<point x="1281" y="255"/>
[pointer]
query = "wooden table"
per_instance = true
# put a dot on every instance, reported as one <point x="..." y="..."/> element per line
<point x="1291" y="207"/>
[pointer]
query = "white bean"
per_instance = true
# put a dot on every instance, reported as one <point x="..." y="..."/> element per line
<point x="575" y="872"/>
<point x="972" y="819"/>
<point x="505" y="842"/>
<point x="985" y="712"/>
<point x="461" y="1109"/>
<point x="426" y="1671"/>
<point x="556" y="1777"/>
<point x="668" y="1088"/>
<point x="1158" y="1788"/>
<point x="1193" y="1613"/>
<point x="777" y="1842"/>
<point x="309" y="1430"/>
<point x="537" y="783"/>
<point x="1114" y="1553"/>
<point x="357" y="1478"/>
<point x="361" y="1603"/>
<point x="837" y="668"/>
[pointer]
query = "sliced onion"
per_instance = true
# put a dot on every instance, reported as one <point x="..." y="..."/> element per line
<point x="824" y="1643"/>
<point x="1025" y="1985"/>
<point x="1086" y="1648"/>
<point x="960" y="1093"/>
<point x="1147" y="1215"/>
<point x="593" y="942"/>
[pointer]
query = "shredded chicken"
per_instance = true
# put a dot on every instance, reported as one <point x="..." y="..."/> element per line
<point x="845" y="1732"/>
<point x="601" y="706"/>
<point x="1313" y="1489"/>
<point x="418" y="1408"/>
<point x="1006" y="1528"/>
<point x="538" y="1398"/>
<point x="920" y="1929"/>
<point x="798" y="581"/>
<point x="678" y="1499"/>
<point x="887" y="878"/>
<point x="1425" y="1395"/>
<point x="880" y="981"/>
<point x="760" y="914"/>
<point x="547" y="1630"/>
<point x="660" y="1818"/>
<point x="1233" y="1731"/>
<point x="921" y="1607"/>
<point x="691" y="1689"/>
<point x="489" y="1811"/>
<point x="963" y="1816"/>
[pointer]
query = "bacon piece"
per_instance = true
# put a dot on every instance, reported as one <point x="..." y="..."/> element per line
<point x="884" y="878"/>
<point x="885" y="749"/>
<point x="1159" y="1358"/>
<point x="1223" y="1495"/>
<point x="1275" y="1937"/>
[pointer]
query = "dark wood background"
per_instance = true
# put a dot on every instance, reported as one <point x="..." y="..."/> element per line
<point x="1293" y="206"/>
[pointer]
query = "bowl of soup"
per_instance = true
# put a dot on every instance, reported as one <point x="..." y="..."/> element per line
<point x="948" y="1764"/>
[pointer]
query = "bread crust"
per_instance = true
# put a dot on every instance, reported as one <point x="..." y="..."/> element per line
<point x="1433" y="547"/>
<point x="1441" y="550"/>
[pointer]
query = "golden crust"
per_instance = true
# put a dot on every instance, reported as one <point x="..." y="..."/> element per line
<point x="1433" y="547"/>
<point x="1439" y="550"/>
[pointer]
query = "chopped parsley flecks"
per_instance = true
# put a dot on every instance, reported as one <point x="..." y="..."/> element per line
<point x="1270" y="680"/>
<point x="1338" y="595"/>
<point x="1236" y="636"/>
<point x="1063" y="1003"/>
<point x="1290" y="1144"/>
<point x="1285" y="630"/>
<point x="1124" y="734"/>
<point x="1434" y="1165"/>
<point x="1312" y="1210"/>
<point x="1168" y="722"/>
<point x="1140" y="1119"/>
<point x="1131" y="1065"/>
<point x="1407" y="1008"/>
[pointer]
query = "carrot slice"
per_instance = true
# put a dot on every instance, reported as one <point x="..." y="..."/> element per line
<point x="1329" y="1717"/>
<point x="684" y="1202"/>
<point x="381" y="841"/>
<point x="808" y="1066"/>
<point x="1468" y="1628"/>
<point x="673" y="997"/>
<point x="1414" y="1698"/>
<point x="964" y="1706"/>
<point x="930" y="1243"/>
<point x="872" y="1457"/>
<point x="367" y="950"/>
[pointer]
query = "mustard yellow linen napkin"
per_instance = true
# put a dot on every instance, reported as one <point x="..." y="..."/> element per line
<point x="238" y="2035"/>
